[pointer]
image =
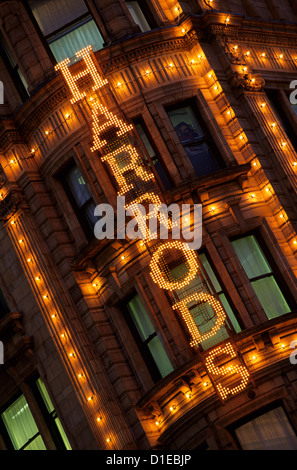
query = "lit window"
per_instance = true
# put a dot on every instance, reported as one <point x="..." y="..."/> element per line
<point x="153" y="154"/>
<point x="195" y="140"/>
<point x="269" y="431"/>
<point x="21" y="431"/>
<point x="138" y="16"/>
<point x="263" y="277"/>
<point x="21" y="427"/>
<point x="67" y="26"/>
<point x="80" y="199"/>
<point x="147" y="339"/>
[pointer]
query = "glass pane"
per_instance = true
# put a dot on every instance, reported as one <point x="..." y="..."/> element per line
<point x="271" y="297"/>
<point x="201" y="158"/>
<point x="62" y="434"/>
<point x="75" y="40"/>
<point x="251" y="257"/>
<point x="37" y="444"/>
<point x="89" y="214"/>
<point x="160" y="357"/>
<point x="19" y="422"/>
<point x="138" y="16"/>
<point x="140" y="318"/>
<point x="185" y="124"/>
<point x="52" y="15"/>
<point x="45" y="396"/>
<point x="210" y="272"/>
<point x="271" y="431"/>
<point x="77" y="186"/>
<point x="231" y="317"/>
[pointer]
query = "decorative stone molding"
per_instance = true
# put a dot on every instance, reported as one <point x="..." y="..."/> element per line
<point x="251" y="82"/>
<point x="10" y="204"/>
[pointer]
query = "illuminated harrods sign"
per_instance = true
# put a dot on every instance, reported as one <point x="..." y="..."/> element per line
<point x="174" y="267"/>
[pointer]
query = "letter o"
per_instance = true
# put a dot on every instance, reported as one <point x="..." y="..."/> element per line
<point x="160" y="278"/>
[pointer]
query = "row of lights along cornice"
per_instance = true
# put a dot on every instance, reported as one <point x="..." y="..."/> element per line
<point x="62" y="335"/>
<point x="34" y="150"/>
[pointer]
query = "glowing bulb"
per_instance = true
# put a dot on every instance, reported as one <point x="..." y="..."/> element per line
<point x="294" y="164"/>
<point x="123" y="257"/>
<point x="37" y="278"/>
<point x="248" y="53"/>
<point x="227" y="19"/>
<point x="273" y="125"/>
<point x="21" y="241"/>
<point x="90" y="398"/>
<point x="183" y="30"/>
<point x="32" y="150"/>
<point x="188" y="396"/>
<point x="99" y="419"/>
<point x="281" y="56"/>
<point x="157" y="423"/>
<point x="284" y="144"/>
<point x="263" y="55"/>
<point x="263" y="105"/>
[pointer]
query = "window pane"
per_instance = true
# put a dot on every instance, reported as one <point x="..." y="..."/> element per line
<point x="251" y="257"/>
<point x="193" y="139"/>
<point x="44" y="393"/>
<point x="185" y="124"/>
<point x="160" y="357"/>
<point x="37" y="444"/>
<point x="271" y="431"/>
<point x="52" y="15"/>
<point x="138" y="16"/>
<point x="62" y="434"/>
<point x="89" y="214"/>
<point x="75" y="40"/>
<point x="271" y="297"/>
<point x="77" y="186"/>
<point x="20" y="423"/>
<point x="140" y="318"/>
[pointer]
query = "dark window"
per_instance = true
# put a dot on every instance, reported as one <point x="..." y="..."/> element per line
<point x="18" y="426"/>
<point x="264" y="276"/>
<point x="195" y="140"/>
<point x="4" y="309"/>
<point x="13" y="69"/>
<point x="269" y="429"/>
<point x="278" y="108"/>
<point x="146" y="337"/>
<point x="66" y="25"/>
<point x="80" y="199"/>
<point x="141" y="15"/>
<point x="152" y="152"/>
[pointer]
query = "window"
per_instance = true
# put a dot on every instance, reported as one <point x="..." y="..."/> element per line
<point x="203" y="313"/>
<point x="67" y="26"/>
<point x="51" y="417"/>
<point x="269" y="431"/>
<point x="279" y="109"/>
<point x="20" y="431"/>
<point x="147" y="339"/>
<point x="147" y="143"/>
<point x="13" y="69"/>
<point x="195" y="140"/>
<point x="4" y="309"/>
<point x="80" y="199"/>
<point x="263" y="275"/>
<point x="141" y="15"/>
<point x="21" y="427"/>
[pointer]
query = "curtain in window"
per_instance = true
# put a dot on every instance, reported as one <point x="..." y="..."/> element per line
<point x="52" y="15"/>
<point x="146" y="329"/>
<point x="75" y="40"/>
<point x="256" y="265"/>
<point x="271" y="431"/>
<point x="21" y="426"/>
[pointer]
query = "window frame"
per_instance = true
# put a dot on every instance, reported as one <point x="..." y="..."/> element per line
<point x="145" y="353"/>
<point x="139" y="121"/>
<point x="147" y="13"/>
<point x="256" y="414"/>
<point x="13" y="71"/>
<point x="216" y="154"/>
<point x="78" y="211"/>
<point x="275" y="271"/>
<point x="45" y="39"/>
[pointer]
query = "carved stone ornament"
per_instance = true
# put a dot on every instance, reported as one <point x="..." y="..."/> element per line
<point x="10" y="204"/>
<point x="3" y="177"/>
<point x="251" y="82"/>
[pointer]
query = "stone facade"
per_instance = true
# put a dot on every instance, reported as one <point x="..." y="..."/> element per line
<point x="225" y="57"/>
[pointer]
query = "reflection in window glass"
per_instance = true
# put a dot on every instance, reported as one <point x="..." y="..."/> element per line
<point x="193" y="140"/>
